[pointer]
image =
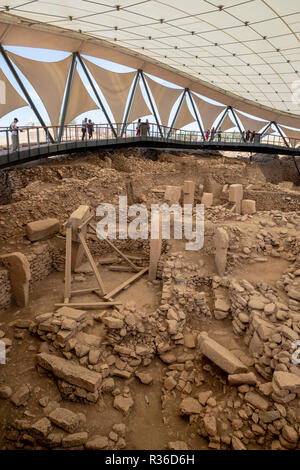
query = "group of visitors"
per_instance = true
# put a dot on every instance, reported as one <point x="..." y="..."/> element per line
<point x="211" y="134"/>
<point x="87" y="128"/>
<point x="138" y="127"/>
<point x="249" y="136"/>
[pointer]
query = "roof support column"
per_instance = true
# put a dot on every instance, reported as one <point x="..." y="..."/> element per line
<point x="151" y="103"/>
<point x="96" y="93"/>
<point x="67" y="96"/>
<point x="222" y="118"/>
<point x="196" y="114"/>
<point x="280" y="132"/>
<point x="130" y="103"/>
<point x="237" y="122"/>
<point x="177" y="112"/>
<point x="26" y="94"/>
<point x="266" y="129"/>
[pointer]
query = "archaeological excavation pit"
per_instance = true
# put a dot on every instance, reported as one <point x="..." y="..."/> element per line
<point x="142" y="344"/>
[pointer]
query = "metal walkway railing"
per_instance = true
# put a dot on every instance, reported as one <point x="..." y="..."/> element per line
<point x="41" y="142"/>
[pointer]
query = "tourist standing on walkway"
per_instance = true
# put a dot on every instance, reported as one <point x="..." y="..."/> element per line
<point x="15" y="134"/>
<point x="84" y="126"/>
<point x="207" y="134"/>
<point x="90" y="128"/>
<point x="148" y="127"/>
<point x="252" y="136"/>
<point x="212" y="134"/>
<point x="138" y="127"/>
<point x="248" y="135"/>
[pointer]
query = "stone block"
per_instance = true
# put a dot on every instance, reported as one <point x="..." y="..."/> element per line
<point x="236" y="196"/>
<point x="221" y="356"/>
<point x="173" y="194"/>
<point x="221" y="240"/>
<point x="235" y="192"/>
<point x="70" y="372"/>
<point x="207" y="199"/>
<point x="65" y="419"/>
<point x="41" y="229"/>
<point x="248" y="206"/>
<point x="19" y="273"/>
<point x="188" y="192"/>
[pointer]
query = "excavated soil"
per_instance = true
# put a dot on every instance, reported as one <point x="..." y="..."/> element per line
<point x="262" y="270"/>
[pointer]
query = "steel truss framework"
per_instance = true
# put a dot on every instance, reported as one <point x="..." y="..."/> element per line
<point x="139" y="78"/>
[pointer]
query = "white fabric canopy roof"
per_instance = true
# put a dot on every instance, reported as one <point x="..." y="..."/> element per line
<point x="139" y="107"/>
<point x="251" y="124"/>
<point x="9" y="98"/>
<point x="245" y="54"/>
<point x="114" y="86"/>
<point x="185" y="117"/>
<point x="79" y="101"/>
<point x="208" y="111"/>
<point x="48" y="79"/>
<point x="250" y="48"/>
<point x="164" y="97"/>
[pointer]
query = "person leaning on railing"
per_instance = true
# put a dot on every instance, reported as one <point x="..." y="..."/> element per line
<point x="14" y="129"/>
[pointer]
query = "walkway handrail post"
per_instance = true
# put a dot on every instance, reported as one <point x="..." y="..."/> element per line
<point x="132" y="95"/>
<point x="26" y="94"/>
<point x="7" y="142"/>
<point x="85" y="69"/>
<point x="67" y="95"/>
<point x="151" y="103"/>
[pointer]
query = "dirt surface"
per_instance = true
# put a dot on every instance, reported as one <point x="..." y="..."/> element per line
<point x="193" y="395"/>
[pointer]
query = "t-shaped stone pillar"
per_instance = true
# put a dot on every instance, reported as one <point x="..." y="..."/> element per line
<point x="19" y="272"/>
<point x="248" y="206"/>
<point x="173" y="194"/>
<point x="236" y="195"/>
<point x="207" y="199"/>
<point x="221" y="243"/>
<point x="188" y="192"/>
<point x="76" y="219"/>
<point x="155" y="252"/>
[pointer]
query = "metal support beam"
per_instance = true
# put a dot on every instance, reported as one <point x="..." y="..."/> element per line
<point x="151" y="103"/>
<point x="237" y="122"/>
<point x="130" y="103"/>
<point x="177" y="112"/>
<point x="266" y="129"/>
<point x="96" y="93"/>
<point x="280" y="132"/>
<point x="222" y="118"/>
<point x="196" y="114"/>
<point x="26" y="94"/>
<point x="67" y="95"/>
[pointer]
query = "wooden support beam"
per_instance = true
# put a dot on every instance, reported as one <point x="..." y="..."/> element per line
<point x="89" y="305"/>
<point x="92" y="263"/>
<point x="84" y="291"/>
<point x="136" y="268"/>
<point x="87" y="221"/>
<point x="120" y="268"/>
<point x="68" y="275"/>
<point x="125" y="284"/>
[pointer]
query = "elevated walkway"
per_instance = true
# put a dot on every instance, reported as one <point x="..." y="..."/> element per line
<point x="40" y="143"/>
